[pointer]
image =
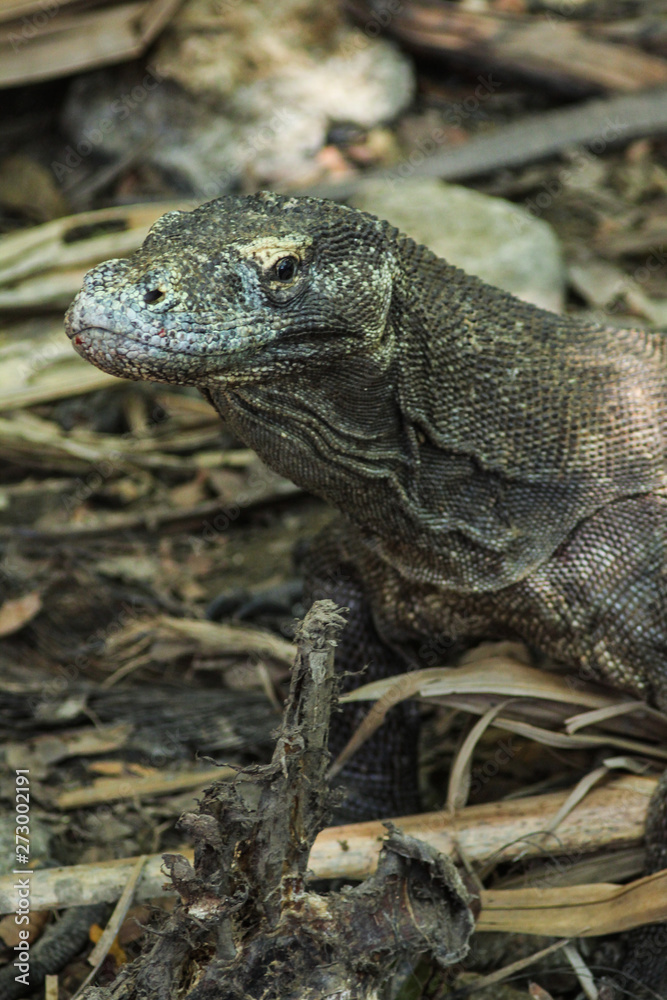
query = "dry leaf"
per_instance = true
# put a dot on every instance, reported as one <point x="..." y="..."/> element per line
<point x="17" y="613"/>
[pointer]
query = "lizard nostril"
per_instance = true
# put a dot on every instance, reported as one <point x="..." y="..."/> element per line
<point x="154" y="295"/>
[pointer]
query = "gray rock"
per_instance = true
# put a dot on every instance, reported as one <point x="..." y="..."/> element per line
<point x="489" y="237"/>
<point x="241" y="95"/>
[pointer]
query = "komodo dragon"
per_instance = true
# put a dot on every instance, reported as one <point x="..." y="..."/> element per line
<point x="502" y="471"/>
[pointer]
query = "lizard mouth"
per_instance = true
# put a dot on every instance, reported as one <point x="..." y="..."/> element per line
<point x="123" y="339"/>
<point x="152" y="355"/>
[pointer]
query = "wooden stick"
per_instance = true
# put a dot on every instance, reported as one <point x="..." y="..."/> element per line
<point x="104" y="790"/>
<point x="80" y="40"/>
<point x="610" y="816"/>
<point x="578" y="910"/>
<point x="600" y="124"/>
<point x="581" y="910"/>
<point x="555" y="51"/>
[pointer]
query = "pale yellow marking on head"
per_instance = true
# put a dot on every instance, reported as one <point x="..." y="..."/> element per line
<point x="266" y="250"/>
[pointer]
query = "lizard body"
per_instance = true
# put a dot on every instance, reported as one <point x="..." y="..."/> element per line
<point x="502" y="471"/>
<point x="491" y="457"/>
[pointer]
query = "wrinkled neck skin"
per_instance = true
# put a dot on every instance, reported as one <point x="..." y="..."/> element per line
<point x="336" y="431"/>
<point x="464" y="432"/>
<point x="347" y="434"/>
<point x="471" y="438"/>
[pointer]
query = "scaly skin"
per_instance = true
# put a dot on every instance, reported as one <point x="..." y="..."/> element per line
<point x="493" y="458"/>
<point x="502" y="470"/>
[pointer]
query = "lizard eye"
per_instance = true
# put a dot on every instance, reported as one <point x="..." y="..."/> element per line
<point x="285" y="268"/>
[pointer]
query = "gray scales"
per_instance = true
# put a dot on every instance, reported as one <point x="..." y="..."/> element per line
<point x="501" y="470"/>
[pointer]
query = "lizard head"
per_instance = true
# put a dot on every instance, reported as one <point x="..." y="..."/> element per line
<point x="239" y="290"/>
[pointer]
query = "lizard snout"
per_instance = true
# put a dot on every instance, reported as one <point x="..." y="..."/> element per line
<point x="157" y="290"/>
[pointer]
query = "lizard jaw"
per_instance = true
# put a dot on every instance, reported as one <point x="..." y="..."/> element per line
<point x="108" y="351"/>
<point x="129" y="347"/>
